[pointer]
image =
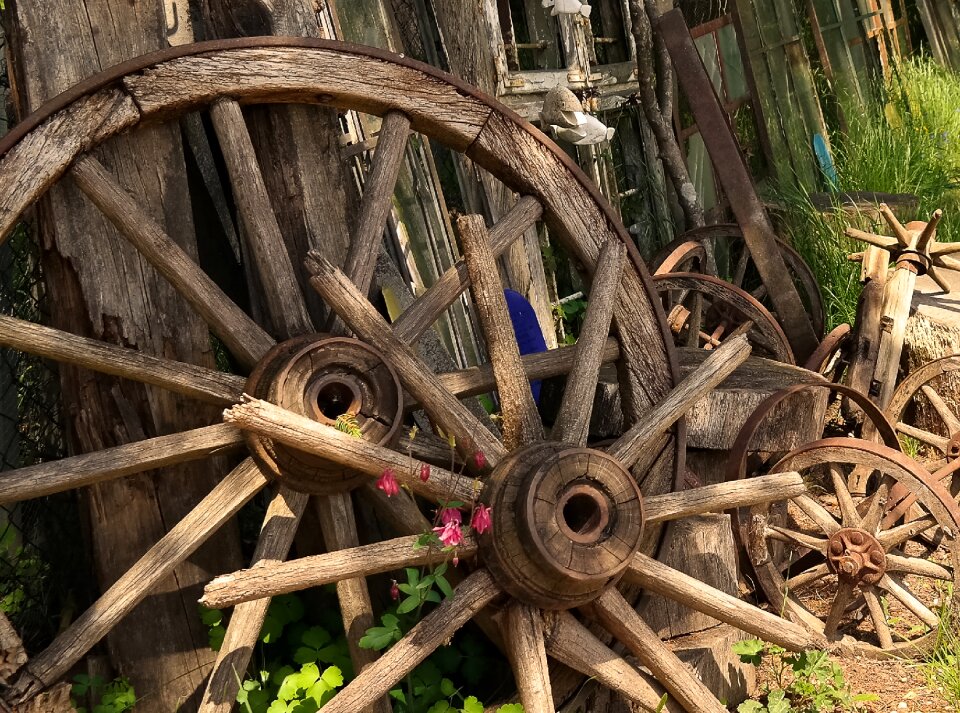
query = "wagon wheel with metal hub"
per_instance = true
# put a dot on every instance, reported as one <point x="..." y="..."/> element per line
<point x="927" y="391"/>
<point x="686" y="253"/>
<point x="310" y="379"/>
<point x="704" y="311"/>
<point x="856" y="568"/>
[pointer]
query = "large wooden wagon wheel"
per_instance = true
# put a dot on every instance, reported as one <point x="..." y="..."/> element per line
<point x="605" y="505"/>
<point x="858" y="567"/>
<point x="704" y="311"/>
<point x="686" y="253"/>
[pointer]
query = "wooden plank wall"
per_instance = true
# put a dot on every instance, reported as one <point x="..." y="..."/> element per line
<point x="941" y="21"/>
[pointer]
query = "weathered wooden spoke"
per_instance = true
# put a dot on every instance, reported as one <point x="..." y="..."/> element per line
<point x="245" y="481"/>
<point x="521" y="421"/>
<point x="523" y="631"/>
<point x="194" y="381"/>
<point x="817" y="512"/>
<point x="573" y="419"/>
<point x="246" y="340"/>
<point x="941" y="443"/>
<point x="868" y="553"/>
<point x="77" y="471"/>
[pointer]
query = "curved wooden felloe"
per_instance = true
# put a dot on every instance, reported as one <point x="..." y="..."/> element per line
<point x="686" y="252"/>
<point x="718" y="310"/>
<point x="830" y="359"/>
<point x="857" y="551"/>
<point x="221" y="77"/>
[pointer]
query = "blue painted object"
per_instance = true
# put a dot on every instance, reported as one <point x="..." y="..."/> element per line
<point x="527" y="330"/>
<point x="825" y="160"/>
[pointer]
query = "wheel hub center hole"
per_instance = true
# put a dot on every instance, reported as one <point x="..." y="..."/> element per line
<point x="583" y="513"/>
<point x="334" y="399"/>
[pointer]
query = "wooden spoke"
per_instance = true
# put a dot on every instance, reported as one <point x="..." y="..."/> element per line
<point x="878" y="505"/>
<point x="942" y="282"/>
<point x="183" y="378"/>
<point x="339" y="527"/>
<point x="838" y="608"/>
<point x="717" y="367"/>
<point x="909" y="600"/>
<point x="423" y="313"/>
<point x="442" y="406"/>
<point x="668" y="582"/>
<point x="816" y="512"/>
<point x="942" y="408"/>
<point x="554" y="362"/>
<point x="877" y="616"/>
<point x="931" y="439"/>
<point x="620" y="619"/>
<point x="435" y="629"/>
<point x="245" y="339"/>
<point x="807" y="577"/>
<point x="918" y="566"/>
<point x="881" y="241"/>
<point x="77" y="471"/>
<point x="285" y="302"/>
<point x="523" y="632"/>
<point x="904" y="238"/>
<point x="573" y="419"/>
<point x="269" y="420"/>
<point x="848" y="509"/>
<point x="521" y="421"/>
<point x="574" y="645"/>
<point x="693" y="323"/>
<point x="207" y="517"/>
<point x="279" y="527"/>
<point x="896" y="536"/>
<point x="722" y="496"/>
<point x="272" y="579"/>
<point x="377" y="199"/>
<point x="783" y="534"/>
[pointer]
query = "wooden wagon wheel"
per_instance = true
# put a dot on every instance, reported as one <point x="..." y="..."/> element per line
<point x="858" y="565"/>
<point x="922" y="390"/>
<point x="703" y="311"/>
<point x="312" y="376"/>
<point x="686" y="254"/>
<point x="832" y="357"/>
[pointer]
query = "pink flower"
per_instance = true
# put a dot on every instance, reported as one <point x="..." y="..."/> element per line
<point x="388" y="483"/>
<point x="394" y="590"/>
<point x="448" y="515"/>
<point x="456" y="560"/>
<point x="481" y="520"/>
<point x="450" y="534"/>
<point x="424" y="472"/>
<point x="479" y="460"/>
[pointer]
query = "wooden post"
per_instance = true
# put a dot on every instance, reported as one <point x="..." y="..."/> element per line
<point x="100" y="287"/>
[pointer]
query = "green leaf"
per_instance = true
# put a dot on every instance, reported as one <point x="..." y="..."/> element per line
<point x="441" y="707"/>
<point x="332" y="676"/>
<point x="305" y="654"/>
<point x="413" y="575"/>
<point x="447" y="688"/>
<point x="749" y="650"/>
<point x="279" y="706"/>
<point x="316" y="636"/>
<point x="271" y="630"/>
<point x="751" y="707"/>
<point x="377" y="638"/>
<point x="210" y="617"/>
<point x="432" y="596"/>
<point x="276" y="678"/>
<point x="472" y="705"/>
<point x="510" y="708"/>
<point x="287" y="608"/>
<point x="307" y="705"/>
<point x="444" y="586"/>
<point x="215" y="636"/>
<point x="777" y="702"/>
<point x="408" y="604"/>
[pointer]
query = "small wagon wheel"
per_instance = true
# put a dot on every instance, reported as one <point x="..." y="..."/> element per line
<point x="703" y="311"/>
<point x="686" y="254"/>
<point x="318" y="376"/>
<point x="923" y="391"/>
<point x="858" y="566"/>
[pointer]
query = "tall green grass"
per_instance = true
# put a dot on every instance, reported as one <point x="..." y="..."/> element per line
<point x="942" y="667"/>
<point x="905" y="140"/>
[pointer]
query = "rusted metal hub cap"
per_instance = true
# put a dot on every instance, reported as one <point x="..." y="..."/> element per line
<point x="953" y="447"/>
<point x="855" y="556"/>
<point x="323" y="378"/>
<point x="566" y="522"/>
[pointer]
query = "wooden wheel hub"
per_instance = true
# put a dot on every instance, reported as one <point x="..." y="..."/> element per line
<point x="566" y="523"/>
<point x="856" y="556"/>
<point x="325" y="378"/>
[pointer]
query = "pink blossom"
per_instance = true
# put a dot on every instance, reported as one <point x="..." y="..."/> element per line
<point x="424" y="472"/>
<point x="450" y="534"/>
<point x="394" y="590"/>
<point x="388" y="483"/>
<point x="479" y="460"/>
<point x="481" y="520"/>
<point x="456" y="560"/>
<point x="448" y="515"/>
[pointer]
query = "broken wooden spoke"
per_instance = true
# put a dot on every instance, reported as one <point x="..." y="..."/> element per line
<point x="230" y="494"/>
<point x="266" y="419"/>
<point x="183" y="378"/>
<point x="896" y="536"/>
<point x="426" y="310"/>
<point x="117" y="462"/>
<point x="573" y="420"/>
<point x="245" y="339"/>
<point x="442" y="406"/>
<point x="521" y="421"/>
<point x="472" y="595"/>
<point x="717" y="367"/>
